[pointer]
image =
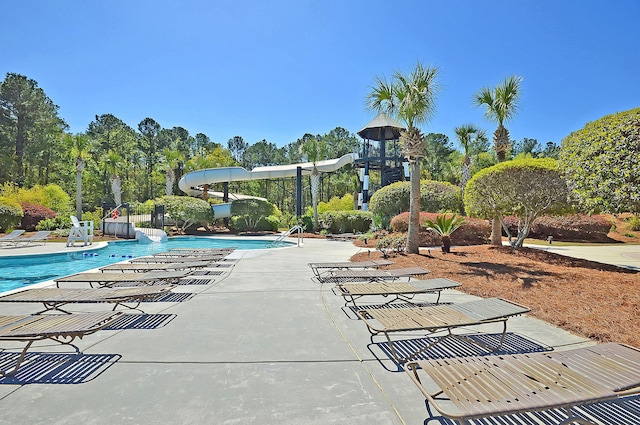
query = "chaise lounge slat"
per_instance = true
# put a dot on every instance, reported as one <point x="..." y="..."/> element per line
<point x="484" y="386"/>
<point x="399" y="290"/>
<point x="133" y="279"/>
<point x="61" y="328"/>
<point x="146" y="267"/>
<point x="326" y="267"/>
<point x="55" y="298"/>
<point x="178" y="258"/>
<point x="342" y="276"/>
<point x="437" y="318"/>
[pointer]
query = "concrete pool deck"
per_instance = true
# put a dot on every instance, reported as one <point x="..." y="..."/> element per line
<point x="262" y="344"/>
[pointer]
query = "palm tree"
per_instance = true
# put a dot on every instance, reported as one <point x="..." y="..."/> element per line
<point x="79" y="145"/>
<point x="112" y="164"/>
<point x="411" y="99"/>
<point x="171" y="159"/>
<point x="315" y="150"/>
<point x="465" y="135"/>
<point x="501" y="105"/>
<point x="444" y="226"/>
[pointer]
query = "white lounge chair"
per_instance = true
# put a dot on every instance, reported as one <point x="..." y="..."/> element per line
<point x="80" y="231"/>
<point x="40" y="236"/>
<point x="10" y="238"/>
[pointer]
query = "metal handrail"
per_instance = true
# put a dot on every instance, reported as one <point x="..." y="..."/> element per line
<point x="297" y="228"/>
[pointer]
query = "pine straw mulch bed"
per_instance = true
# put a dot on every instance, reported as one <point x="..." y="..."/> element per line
<point x="591" y="299"/>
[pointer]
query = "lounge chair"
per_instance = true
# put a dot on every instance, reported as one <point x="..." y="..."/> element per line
<point x="37" y="237"/>
<point x="125" y="279"/>
<point x="62" y="328"/>
<point x="181" y="251"/>
<point x="10" y="238"/>
<point x="326" y="267"/>
<point x="175" y="258"/>
<point x="399" y="290"/>
<point x="80" y="231"/>
<point x="55" y="298"/>
<point x="437" y="318"/>
<point x="342" y="276"/>
<point x="487" y="386"/>
<point x="146" y="267"/>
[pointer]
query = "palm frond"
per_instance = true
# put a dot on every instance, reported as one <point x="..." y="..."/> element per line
<point x="445" y="225"/>
<point x="508" y="97"/>
<point x="382" y="97"/>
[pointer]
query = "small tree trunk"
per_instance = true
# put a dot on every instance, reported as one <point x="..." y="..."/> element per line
<point x="79" y="168"/>
<point x="116" y="188"/>
<point x="170" y="179"/>
<point x="413" y="242"/>
<point x="315" y="187"/>
<point x="446" y="244"/>
<point x="496" y="232"/>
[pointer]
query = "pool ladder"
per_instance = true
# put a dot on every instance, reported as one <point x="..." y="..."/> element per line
<point x="297" y="229"/>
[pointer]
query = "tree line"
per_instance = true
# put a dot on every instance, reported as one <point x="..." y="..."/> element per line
<point x="112" y="162"/>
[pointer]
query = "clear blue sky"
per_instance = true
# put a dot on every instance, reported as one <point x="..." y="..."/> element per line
<point x="278" y="69"/>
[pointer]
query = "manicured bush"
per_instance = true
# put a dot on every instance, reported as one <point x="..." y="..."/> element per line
<point x="248" y="213"/>
<point x="186" y="211"/>
<point x="10" y="213"/>
<point x="59" y="222"/>
<point x="394" y="199"/>
<point x="474" y="232"/>
<point x="525" y="188"/>
<point x="268" y="224"/>
<point x="33" y="214"/>
<point x="264" y="224"/>
<point x="574" y="227"/>
<point x="354" y="221"/>
<point x="601" y="162"/>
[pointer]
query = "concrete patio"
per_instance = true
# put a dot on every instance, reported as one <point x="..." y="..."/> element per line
<point x="262" y="344"/>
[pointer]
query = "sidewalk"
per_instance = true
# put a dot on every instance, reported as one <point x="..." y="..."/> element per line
<point x="622" y="255"/>
<point x="263" y="344"/>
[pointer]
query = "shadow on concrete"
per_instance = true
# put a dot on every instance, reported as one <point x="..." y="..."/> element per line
<point x="56" y="368"/>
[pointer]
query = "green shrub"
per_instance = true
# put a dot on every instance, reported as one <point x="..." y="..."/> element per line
<point x="354" y="221"/>
<point x="186" y="211"/>
<point x="10" y="213"/>
<point x="95" y="216"/>
<point x="394" y="199"/>
<point x="265" y="224"/>
<point x="389" y="201"/>
<point x="601" y="163"/>
<point x="55" y="223"/>
<point x="268" y="224"/>
<point x="392" y="245"/>
<point x="337" y="204"/>
<point x="51" y="196"/>
<point x="252" y="211"/>
<point x="634" y="223"/>
<point x="144" y="207"/>
<point x="307" y="223"/>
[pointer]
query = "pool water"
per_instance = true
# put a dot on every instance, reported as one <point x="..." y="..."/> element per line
<point x="21" y="271"/>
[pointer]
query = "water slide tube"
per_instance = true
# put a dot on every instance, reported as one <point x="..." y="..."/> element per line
<point x="191" y="183"/>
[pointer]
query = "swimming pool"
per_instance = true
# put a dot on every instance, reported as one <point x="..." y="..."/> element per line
<point x="21" y="271"/>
